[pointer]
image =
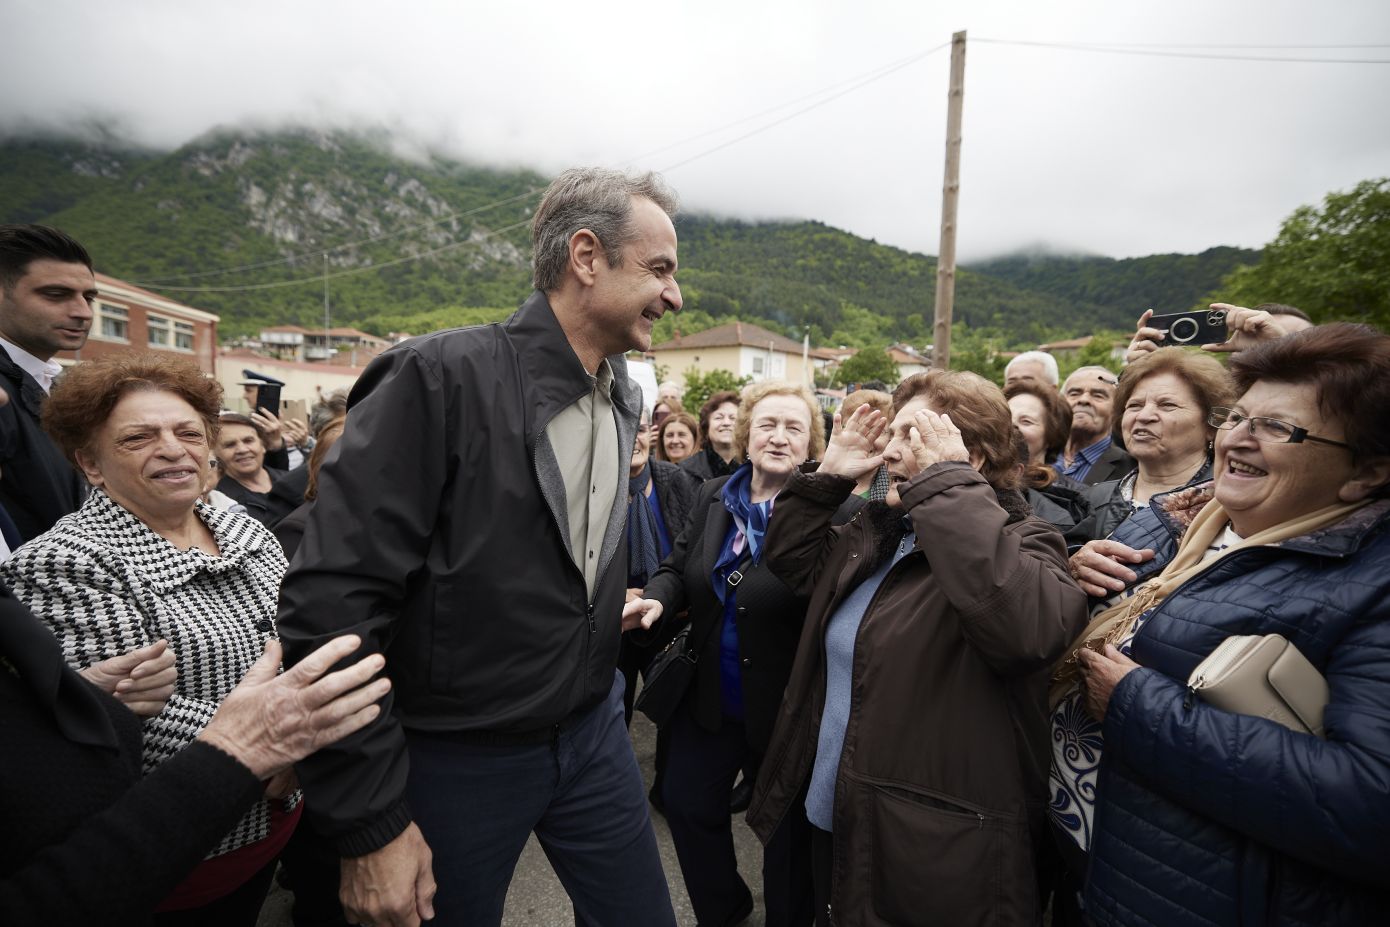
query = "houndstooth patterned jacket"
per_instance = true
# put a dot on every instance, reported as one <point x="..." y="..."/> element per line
<point x="106" y="584"/>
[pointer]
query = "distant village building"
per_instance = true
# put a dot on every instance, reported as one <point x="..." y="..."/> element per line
<point x="303" y="379"/>
<point x="743" y="349"/>
<point x="127" y="319"/>
<point x="908" y="359"/>
<point x="1066" y="351"/>
<point x="296" y="343"/>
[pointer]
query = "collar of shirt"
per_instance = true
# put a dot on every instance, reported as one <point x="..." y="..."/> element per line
<point x="603" y="380"/>
<point x="42" y="371"/>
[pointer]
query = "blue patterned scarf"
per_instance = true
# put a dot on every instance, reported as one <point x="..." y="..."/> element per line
<point x="750" y="524"/>
<point x="643" y="544"/>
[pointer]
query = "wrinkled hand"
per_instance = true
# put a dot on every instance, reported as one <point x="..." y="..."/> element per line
<point x="1145" y="340"/>
<point x="1246" y="328"/>
<point x="296" y="431"/>
<point x="934" y="439"/>
<point x="853" y="447"/>
<point x="270" y="427"/>
<point x="391" y="887"/>
<point x="268" y="721"/>
<point x="1101" y="673"/>
<point x="1099" y="567"/>
<point x="142" y="680"/>
<point x="641" y="613"/>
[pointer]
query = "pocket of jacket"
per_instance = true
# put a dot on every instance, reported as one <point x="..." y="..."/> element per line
<point x="935" y="862"/>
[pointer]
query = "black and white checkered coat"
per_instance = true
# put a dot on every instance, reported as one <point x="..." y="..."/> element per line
<point x="106" y="584"/>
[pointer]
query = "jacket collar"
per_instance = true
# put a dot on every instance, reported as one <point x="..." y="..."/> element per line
<point x="158" y="562"/>
<point x="31" y="394"/>
<point x="553" y="372"/>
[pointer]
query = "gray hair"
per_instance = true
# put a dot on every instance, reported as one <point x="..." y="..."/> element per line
<point x="592" y="198"/>
<point x="1049" y="364"/>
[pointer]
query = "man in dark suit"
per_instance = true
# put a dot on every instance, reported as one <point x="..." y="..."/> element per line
<point x="1090" y="456"/>
<point x="46" y="292"/>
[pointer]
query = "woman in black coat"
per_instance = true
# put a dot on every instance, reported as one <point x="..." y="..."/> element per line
<point x="745" y="625"/>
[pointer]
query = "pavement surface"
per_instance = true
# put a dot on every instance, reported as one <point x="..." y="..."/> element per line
<point x="536" y="898"/>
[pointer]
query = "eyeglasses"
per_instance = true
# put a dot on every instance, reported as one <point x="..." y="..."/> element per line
<point x="1266" y="430"/>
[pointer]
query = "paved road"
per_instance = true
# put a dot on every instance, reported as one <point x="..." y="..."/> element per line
<point x="536" y="898"/>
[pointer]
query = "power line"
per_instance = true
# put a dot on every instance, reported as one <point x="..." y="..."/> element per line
<point x="1157" y="53"/>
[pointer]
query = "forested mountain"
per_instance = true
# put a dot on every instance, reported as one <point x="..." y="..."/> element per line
<point x="241" y="220"/>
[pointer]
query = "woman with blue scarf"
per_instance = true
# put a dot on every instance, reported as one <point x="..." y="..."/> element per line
<point x="745" y="624"/>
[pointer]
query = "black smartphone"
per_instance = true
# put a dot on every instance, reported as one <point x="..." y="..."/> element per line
<point x="268" y="397"/>
<point x="1200" y="326"/>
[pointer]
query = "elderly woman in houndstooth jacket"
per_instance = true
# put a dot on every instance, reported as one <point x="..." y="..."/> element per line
<point x="144" y="559"/>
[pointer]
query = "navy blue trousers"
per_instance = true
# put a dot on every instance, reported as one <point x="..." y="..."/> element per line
<point x="700" y="773"/>
<point x="582" y="795"/>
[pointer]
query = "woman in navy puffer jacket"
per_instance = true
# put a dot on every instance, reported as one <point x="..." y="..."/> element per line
<point x="1203" y="816"/>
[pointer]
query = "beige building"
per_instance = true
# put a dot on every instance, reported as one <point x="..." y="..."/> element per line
<point x="303" y="379"/>
<point x="743" y="349"/>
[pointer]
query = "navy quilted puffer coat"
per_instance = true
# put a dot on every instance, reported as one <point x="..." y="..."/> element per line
<point x="1209" y="818"/>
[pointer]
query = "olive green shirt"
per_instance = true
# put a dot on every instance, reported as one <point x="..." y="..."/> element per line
<point x="584" y="437"/>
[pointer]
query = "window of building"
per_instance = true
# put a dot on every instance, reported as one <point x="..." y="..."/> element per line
<point x="161" y="335"/>
<point x="113" y="322"/>
<point x="183" y="336"/>
<point x="757" y="365"/>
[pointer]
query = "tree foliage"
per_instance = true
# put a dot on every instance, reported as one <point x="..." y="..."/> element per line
<point x="699" y="387"/>
<point x="1330" y="262"/>
<point x="869" y="364"/>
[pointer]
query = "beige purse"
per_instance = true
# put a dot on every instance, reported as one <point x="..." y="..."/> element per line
<point x="1263" y="676"/>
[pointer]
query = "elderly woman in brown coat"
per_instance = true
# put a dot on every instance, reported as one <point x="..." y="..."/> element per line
<point x="914" y="724"/>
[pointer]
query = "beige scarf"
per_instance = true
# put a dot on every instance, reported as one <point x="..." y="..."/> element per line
<point x="1111" y="625"/>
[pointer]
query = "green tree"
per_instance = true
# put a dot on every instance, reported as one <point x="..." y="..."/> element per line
<point x="701" y="386"/>
<point x="1095" y="354"/>
<point x="1331" y="263"/>
<point x="869" y="364"/>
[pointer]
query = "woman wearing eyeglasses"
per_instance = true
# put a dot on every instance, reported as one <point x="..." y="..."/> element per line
<point x="1194" y="815"/>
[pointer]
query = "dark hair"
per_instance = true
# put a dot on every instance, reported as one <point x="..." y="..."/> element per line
<point x="327" y="435"/>
<point x="1281" y="309"/>
<point x="85" y="394"/>
<point x="1035" y="476"/>
<point x="236" y="418"/>
<point x="1348" y="366"/>
<point x="21" y="245"/>
<point x="1210" y="382"/>
<point x="1056" y="415"/>
<point x="681" y="418"/>
<point x="712" y="403"/>
<point x="978" y="409"/>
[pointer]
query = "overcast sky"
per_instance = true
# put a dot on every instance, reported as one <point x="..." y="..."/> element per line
<point x="1078" y="151"/>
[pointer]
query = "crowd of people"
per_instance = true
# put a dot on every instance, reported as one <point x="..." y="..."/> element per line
<point x="947" y="637"/>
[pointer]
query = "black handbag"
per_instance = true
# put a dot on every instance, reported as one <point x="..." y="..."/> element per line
<point x="667" y="678"/>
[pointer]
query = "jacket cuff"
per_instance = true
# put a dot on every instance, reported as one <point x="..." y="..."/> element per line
<point x="937" y="478"/>
<point x="828" y="489"/>
<point x="377" y="834"/>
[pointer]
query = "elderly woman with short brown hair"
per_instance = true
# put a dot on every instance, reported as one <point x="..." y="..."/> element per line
<point x="1202" y="815"/>
<point x="744" y="623"/>
<point x="145" y="558"/>
<point x="913" y="730"/>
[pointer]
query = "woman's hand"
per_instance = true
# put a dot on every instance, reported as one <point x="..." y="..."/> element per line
<point x="270" y="721"/>
<point x="1145" y="340"/>
<point x="270" y="427"/>
<point x="1246" y="328"/>
<point x="853" y="447"/>
<point x="282" y="784"/>
<point x="296" y="431"/>
<point x="641" y="613"/>
<point x="142" y="680"/>
<point x="1102" y="672"/>
<point x="1099" y="567"/>
<point x="934" y="439"/>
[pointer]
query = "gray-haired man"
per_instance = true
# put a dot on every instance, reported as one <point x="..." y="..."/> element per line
<point x="469" y="523"/>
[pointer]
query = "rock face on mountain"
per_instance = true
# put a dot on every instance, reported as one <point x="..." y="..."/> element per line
<point x="249" y="224"/>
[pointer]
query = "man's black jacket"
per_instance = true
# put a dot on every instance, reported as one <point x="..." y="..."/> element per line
<point x="37" y="484"/>
<point x="440" y="534"/>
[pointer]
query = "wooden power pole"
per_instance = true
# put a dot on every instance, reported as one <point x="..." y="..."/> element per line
<point x="950" y="195"/>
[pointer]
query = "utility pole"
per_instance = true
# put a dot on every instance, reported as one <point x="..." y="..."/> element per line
<point x="327" y="325"/>
<point x="950" y="195"/>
